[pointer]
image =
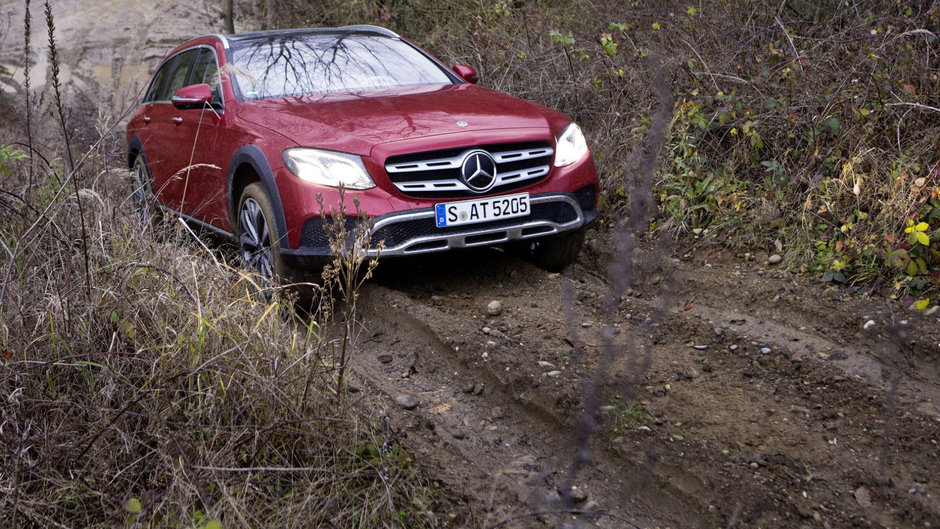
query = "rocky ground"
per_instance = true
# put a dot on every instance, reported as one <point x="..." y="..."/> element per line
<point x="734" y="394"/>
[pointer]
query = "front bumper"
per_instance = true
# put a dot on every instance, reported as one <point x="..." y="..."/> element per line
<point x="415" y="232"/>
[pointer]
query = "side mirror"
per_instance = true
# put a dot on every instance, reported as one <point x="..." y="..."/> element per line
<point x="467" y="73"/>
<point x="192" y="97"/>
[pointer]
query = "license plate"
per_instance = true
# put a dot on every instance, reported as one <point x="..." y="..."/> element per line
<point x="481" y="210"/>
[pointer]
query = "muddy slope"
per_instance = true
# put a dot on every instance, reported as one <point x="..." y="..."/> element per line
<point x="735" y="394"/>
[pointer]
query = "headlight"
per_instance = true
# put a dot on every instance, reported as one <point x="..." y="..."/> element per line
<point x="571" y="146"/>
<point x="327" y="168"/>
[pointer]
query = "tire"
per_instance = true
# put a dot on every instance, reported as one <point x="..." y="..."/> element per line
<point x="551" y="253"/>
<point x="258" y="246"/>
<point x="142" y="197"/>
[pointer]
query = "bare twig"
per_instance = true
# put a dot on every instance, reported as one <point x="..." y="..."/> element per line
<point x="915" y="105"/>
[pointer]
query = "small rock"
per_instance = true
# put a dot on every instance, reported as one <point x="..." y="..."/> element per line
<point x="863" y="496"/>
<point x="496" y="413"/>
<point x="587" y="325"/>
<point x="700" y="347"/>
<point x="468" y="388"/>
<point x="765" y="350"/>
<point x="553" y="374"/>
<point x="436" y="299"/>
<point x="869" y="324"/>
<point x="384" y="359"/>
<point x="774" y="259"/>
<point x="551" y="497"/>
<point x="486" y="330"/>
<point x="578" y="494"/>
<point x="478" y="388"/>
<point x="912" y="491"/>
<point x="733" y="347"/>
<point x="409" y="402"/>
<point x="644" y="429"/>
<point x="494" y="308"/>
<point x="458" y="435"/>
<point x="546" y="365"/>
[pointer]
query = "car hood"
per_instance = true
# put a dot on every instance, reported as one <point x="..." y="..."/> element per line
<point x="357" y="122"/>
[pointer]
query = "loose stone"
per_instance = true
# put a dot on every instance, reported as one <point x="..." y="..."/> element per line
<point x="409" y="402"/>
<point x="494" y="308"/>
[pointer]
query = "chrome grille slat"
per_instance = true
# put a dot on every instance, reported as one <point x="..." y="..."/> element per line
<point x="517" y="156"/>
<point x="427" y="165"/>
<point x="450" y="185"/>
<point x="437" y="174"/>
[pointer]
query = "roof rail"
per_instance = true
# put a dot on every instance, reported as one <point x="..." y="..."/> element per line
<point x="369" y="27"/>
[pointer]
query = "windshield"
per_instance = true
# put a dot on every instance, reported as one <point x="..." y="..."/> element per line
<point x="292" y="65"/>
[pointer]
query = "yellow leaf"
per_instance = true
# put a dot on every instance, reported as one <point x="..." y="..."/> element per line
<point x="656" y="25"/>
<point x="922" y="303"/>
<point x="132" y="506"/>
<point x="922" y="238"/>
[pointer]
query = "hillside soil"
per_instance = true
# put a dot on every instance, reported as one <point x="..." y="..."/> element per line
<point x="732" y="393"/>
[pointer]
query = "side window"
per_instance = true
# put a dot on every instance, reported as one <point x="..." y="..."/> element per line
<point x="206" y="70"/>
<point x="181" y="68"/>
<point x="159" y="80"/>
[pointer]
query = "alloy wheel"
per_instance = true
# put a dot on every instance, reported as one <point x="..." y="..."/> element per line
<point x="254" y="239"/>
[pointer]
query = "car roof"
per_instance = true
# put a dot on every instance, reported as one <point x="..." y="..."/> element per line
<point x="361" y="29"/>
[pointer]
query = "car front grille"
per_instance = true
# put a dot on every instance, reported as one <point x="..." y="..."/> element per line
<point x="436" y="174"/>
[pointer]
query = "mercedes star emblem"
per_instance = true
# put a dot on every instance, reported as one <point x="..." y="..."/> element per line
<point x="478" y="171"/>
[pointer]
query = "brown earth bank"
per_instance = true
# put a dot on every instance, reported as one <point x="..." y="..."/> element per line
<point x="731" y="393"/>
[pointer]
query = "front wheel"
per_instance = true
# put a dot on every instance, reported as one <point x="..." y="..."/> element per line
<point x="258" y="239"/>
<point x="550" y="253"/>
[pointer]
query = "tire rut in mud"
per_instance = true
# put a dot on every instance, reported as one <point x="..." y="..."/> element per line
<point x="516" y="438"/>
<point x="728" y="434"/>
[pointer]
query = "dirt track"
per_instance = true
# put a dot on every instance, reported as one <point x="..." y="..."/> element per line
<point x="835" y="426"/>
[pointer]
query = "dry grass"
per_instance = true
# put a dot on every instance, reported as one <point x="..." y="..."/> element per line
<point x="161" y="392"/>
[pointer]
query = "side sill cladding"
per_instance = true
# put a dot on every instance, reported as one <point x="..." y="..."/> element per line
<point x="252" y="156"/>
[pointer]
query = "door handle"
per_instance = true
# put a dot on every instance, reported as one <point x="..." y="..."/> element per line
<point x="177" y="120"/>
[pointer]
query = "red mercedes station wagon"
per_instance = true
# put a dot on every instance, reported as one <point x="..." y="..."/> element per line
<point x="241" y="133"/>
